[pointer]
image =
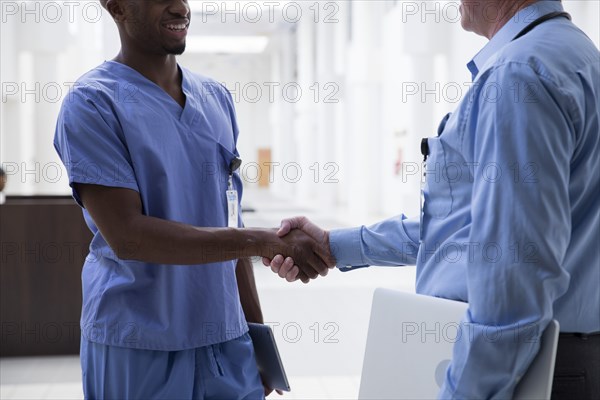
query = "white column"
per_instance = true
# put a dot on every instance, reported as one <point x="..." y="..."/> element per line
<point x="305" y="136"/>
<point x="45" y="115"/>
<point x="341" y="123"/>
<point x="282" y="112"/>
<point x="327" y="93"/>
<point x="364" y="111"/>
<point x="9" y="105"/>
<point x="424" y="45"/>
<point x="28" y="131"/>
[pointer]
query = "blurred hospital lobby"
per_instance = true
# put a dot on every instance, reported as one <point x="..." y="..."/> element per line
<point x="332" y="100"/>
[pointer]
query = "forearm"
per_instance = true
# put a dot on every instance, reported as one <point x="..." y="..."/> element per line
<point x="159" y="241"/>
<point x="391" y="242"/>
<point x="244" y="274"/>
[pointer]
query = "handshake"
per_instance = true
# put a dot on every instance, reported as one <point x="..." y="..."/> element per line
<point x="305" y="253"/>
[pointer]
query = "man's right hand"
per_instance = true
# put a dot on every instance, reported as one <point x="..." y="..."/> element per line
<point x="286" y="267"/>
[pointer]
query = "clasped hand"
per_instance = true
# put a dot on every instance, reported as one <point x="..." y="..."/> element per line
<point x="311" y="256"/>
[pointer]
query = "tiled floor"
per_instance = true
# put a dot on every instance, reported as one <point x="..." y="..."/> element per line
<point x="320" y="328"/>
<point x="40" y="378"/>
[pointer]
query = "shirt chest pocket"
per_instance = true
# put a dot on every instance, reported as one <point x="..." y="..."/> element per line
<point x="437" y="191"/>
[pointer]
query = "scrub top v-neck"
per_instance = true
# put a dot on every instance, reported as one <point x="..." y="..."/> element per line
<point x="185" y="114"/>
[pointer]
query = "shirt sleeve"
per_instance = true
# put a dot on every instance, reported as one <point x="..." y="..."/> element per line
<point x="91" y="145"/>
<point x="522" y="141"/>
<point x="392" y="242"/>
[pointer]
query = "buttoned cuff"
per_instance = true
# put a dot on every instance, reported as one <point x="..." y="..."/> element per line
<point x="346" y="248"/>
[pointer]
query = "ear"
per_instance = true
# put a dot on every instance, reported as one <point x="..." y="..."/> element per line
<point x="116" y="10"/>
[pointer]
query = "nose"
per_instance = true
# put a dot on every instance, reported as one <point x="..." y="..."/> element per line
<point x="180" y="8"/>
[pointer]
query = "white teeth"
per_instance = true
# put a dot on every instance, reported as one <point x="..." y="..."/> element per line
<point x="176" y="27"/>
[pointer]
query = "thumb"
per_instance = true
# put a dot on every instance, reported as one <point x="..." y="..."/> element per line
<point x="288" y="224"/>
<point x="285" y="228"/>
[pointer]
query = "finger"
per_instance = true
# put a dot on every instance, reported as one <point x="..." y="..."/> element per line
<point x="284" y="228"/>
<point x="321" y="265"/>
<point x="302" y="276"/>
<point x="268" y="390"/>
<point x="323" y="250"/>
<point x="279" y="392"/>
<point x="276" y="263"/>
<point x="308" y="270"/>
<point x="325" y="255"/>
<point x="286" y="267"/>
<point x="266" y="262"/>
<point x="292" y="276"/>
<point x="317" y="263"/>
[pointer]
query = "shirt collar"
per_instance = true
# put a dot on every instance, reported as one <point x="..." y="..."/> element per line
<point x="510" y="30"/>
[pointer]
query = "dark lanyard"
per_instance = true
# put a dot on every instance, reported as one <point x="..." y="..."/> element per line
<point x="541" y="20"/>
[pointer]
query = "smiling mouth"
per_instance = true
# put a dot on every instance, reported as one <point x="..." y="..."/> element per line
<point x="177" y="27"/>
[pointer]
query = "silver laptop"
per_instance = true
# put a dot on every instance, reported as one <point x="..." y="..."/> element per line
<point x="409" y="347"/>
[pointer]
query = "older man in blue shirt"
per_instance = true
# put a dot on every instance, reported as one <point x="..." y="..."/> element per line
<point x="511" y="205"/>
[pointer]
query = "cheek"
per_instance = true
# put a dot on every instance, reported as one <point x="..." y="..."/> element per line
<point x="465" y="14"/>
<point x="139" y="28"/>
<point x="137" y="20"/>
<point x="469" y="10"/>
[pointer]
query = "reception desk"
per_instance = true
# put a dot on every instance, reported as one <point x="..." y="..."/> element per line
<point x="44" y="241"/>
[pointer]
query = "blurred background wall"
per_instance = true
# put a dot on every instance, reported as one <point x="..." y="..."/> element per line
<point x="334" y="94"/>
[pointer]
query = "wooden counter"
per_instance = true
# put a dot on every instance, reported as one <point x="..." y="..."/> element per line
<point x="43" y="244"/>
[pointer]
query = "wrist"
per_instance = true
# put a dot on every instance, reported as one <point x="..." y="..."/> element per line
<point x="257" y="241"/>
<point x="332" y="261"/>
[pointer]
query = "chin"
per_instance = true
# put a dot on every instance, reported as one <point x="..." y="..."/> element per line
<point x="465" y="25"/>
<point x="176" y="50"/>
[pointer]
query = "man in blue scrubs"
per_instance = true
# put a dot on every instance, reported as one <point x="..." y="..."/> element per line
<point x="150" y="149"/>
<point x="511" y="214"/>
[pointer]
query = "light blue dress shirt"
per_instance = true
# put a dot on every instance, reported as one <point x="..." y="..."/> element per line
<point x="117" y="128"/>
<point x="512" y="206"/>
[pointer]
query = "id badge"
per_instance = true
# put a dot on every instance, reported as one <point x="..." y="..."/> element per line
<point x="232" y="209"/>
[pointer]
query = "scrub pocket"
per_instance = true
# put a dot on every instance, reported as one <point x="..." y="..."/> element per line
<point x="224" y="160"/>
<point x="226" y="157"/>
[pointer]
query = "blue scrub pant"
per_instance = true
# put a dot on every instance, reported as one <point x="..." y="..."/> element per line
<point x="222" y="371"/>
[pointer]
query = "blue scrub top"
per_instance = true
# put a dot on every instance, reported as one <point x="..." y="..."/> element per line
<point x="116" y="128"/>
